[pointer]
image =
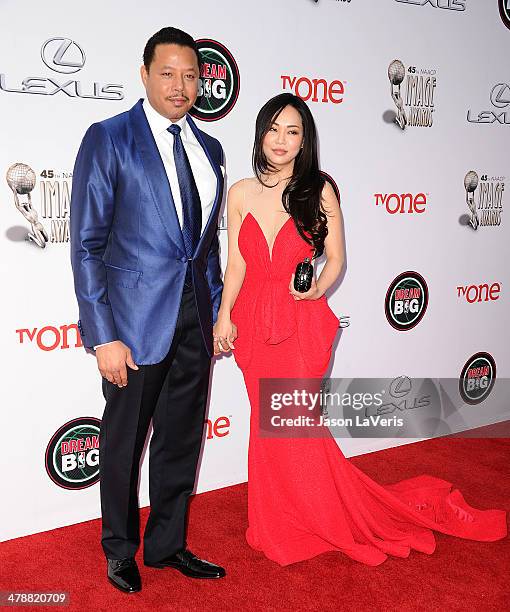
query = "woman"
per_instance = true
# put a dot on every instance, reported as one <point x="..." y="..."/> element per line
<point x="304" y="496"/>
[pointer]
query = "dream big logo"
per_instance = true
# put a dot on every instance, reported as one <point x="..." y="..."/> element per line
<point x="504" y="11"/>
<point x="72" y="455"/>
<point x="477" y="378"/>
<point x="484" y="200"/>
<point x="219" y="82"/>
<point x="412" y="91"/>
<point x="406" y="301"/>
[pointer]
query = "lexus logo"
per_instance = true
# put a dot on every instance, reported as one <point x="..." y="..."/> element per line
<point x="400" y="386"/>
<point x="500" y="95"/>
<point x="63" y="55"/>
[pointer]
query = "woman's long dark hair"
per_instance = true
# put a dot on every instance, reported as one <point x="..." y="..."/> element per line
<point x="302" y="196"/>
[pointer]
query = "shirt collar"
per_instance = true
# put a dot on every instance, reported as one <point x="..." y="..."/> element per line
<point x="159" y="124"/>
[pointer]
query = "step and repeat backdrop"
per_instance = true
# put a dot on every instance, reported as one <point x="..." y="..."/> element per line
<point x="412" y="104"/>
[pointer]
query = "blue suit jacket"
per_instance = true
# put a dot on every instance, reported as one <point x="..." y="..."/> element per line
<point x="127" y="250"/>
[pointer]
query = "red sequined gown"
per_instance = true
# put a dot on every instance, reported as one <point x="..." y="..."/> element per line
<point x="304" y="496"/>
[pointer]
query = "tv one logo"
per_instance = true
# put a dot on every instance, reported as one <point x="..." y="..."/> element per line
<point x="218" y="428"/>
<point x="315" y="90"/>
<point x="479" y="293"/>
<point x="49" y="338"/>
<point x="401" y="203"/>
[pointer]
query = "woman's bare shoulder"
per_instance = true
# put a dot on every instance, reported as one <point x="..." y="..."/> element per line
<point x="242" y="186"/>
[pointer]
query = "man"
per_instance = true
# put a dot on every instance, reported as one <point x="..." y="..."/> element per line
<point x="147" y="188"/>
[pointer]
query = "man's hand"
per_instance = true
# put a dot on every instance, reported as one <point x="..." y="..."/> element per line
<point x="112" y="359"/>
<point x="224" y="334"/>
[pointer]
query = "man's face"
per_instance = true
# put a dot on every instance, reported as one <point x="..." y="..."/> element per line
<point x="171" y="82"/>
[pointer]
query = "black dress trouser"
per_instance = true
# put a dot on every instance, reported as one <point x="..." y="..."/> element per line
<point x="178" y="425"/>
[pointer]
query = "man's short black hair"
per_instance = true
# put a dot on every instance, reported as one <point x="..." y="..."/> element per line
<point x="168" y="36"/>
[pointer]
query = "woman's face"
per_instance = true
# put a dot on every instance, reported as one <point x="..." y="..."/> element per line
<point x="283" y="141"/>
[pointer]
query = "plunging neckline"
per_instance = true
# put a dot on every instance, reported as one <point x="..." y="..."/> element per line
<point x="269" y="251"/>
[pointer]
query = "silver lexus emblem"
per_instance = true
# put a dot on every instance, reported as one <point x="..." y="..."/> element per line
<point x="500" y="95"/>
<point x="63" y="55"/>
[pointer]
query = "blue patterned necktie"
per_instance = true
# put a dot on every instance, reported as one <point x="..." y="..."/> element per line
<point x="190" y="198"/>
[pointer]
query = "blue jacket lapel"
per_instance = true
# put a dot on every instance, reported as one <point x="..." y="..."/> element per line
<point x="156" y="175"/>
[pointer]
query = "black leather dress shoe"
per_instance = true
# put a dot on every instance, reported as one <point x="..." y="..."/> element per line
<point x="188" y="564"/>
<point x="124" y="574"/>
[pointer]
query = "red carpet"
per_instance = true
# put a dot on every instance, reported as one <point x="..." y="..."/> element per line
<point x="460" y="575"/>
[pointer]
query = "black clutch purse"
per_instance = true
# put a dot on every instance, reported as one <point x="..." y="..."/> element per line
<point x="303" y="276"/>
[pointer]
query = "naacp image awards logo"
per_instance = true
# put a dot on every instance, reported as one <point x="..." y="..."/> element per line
<point x="484" y="199"/>
<point x="412" y="91"/>
<point x="49" y="222"/>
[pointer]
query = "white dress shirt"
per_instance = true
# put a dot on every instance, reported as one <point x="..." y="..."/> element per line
<point x="203" y="173"/>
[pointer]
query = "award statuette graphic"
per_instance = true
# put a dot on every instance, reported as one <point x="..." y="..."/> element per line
<point x="470" y="185"/>
<point x="21" y="180"/>
<point x="396" y="74"/>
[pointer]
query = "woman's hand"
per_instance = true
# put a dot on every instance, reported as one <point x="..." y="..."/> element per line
<point x="312" y="294"/>
<point x="224" y="334"/>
